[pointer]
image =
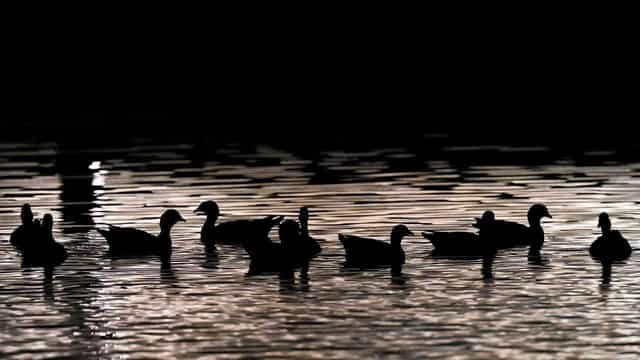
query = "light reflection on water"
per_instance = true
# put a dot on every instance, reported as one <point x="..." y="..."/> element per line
<point x="102" y="308"/>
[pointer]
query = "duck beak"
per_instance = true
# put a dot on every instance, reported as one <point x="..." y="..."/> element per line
<point x="548" y="215"/>
<point x="182" y="219"/>
<point x="599" y="223"/>
<point x="410" y="233"/>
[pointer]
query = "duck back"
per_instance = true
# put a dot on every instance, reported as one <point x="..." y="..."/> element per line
<point x="361" y="251"/>
<point x="612" y="246"/>
<point x="129" y="240"/>
<point x="455" y="243"/>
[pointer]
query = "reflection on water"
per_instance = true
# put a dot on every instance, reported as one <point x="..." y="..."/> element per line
<point x="560" y="304"/>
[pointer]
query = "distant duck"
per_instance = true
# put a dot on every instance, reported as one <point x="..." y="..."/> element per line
<point x="611" y="245"/>
<point x="312" y="243"/>
<point x="232" y="232"/>
<point x="129" y="241"/>
<point x="506" y="234"/>
<point x="364" y="252"/>
<point x="461" y="243"/>
<point x="45" y="251"/>
<point x="27" y="232"/>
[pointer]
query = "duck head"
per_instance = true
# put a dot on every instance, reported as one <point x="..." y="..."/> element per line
<point x="536" y="213"/>
<point x="604" y="222"/>
<point x="399" y="232"/>
<point x="288" y="231"/>
<point x="170" y="218"/>
<point x="26" y="215"/>
<point x="209" y="208"/>
<point x="487" y="218"/>
<point x="304" y="214"/>
<point x="47" y="223"/>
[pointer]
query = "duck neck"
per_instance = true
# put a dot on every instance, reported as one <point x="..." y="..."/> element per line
<point x="396" y="241"/>
<point x="210" y="221"/>
<point x="534" y="222"/>
<point x="165" y="234"/>
<point x="304" y="227"/>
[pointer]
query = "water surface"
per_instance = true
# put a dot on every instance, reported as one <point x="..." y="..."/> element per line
<point x="97" y="307"/>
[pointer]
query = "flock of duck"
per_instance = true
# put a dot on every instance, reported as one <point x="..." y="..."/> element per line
<point x="34" y="240"/>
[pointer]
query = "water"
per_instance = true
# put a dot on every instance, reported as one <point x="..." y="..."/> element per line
<point x="96" y="307"/>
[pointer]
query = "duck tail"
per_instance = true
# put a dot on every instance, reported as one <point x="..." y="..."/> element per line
<point x="428" y="234"/>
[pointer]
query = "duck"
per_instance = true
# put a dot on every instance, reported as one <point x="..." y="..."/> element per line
<point x="365" y="252"/>
<point x="45" y="251"/>
<point x="130" y="241"/>
<point x="460" y="243"/>
<point x="27" y="232"/>
<point x="299" y="249"/>
<point x="266" y="256"/>
<point x="611" y="245"/>
<point x="502" y="234"/>
<point x="231" y="232"/>
<point x="312" y="243"/>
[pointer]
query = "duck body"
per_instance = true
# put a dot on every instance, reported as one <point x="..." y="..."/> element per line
<point x="611" y="245"/>
<point x="460" y="243"/>
<point x="130" y="241"/>
<point x="234" y="232"/>
<point x="24" y="235"/>
<point x="364" y="252"/>
<point x="49" y="255"/>
<point x="122" y="240"/>
<point x="455" y="243"/>
<point x="267" y="257"/>
<point x="502" y="234"/>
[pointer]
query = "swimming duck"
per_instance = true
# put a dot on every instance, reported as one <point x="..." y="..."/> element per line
<point x="364" y="252"/>
<point x="611" y="245"/>
<point x="231" y="232"/>
<point x="27" y="232"/>
<point x="312" y="243"/>
<point x="266" y="256"/>
<point x="461" y="243"/>
<point x="133" y="241"/>
<point x="506" y="234"/>
<point x="45" y="251"/>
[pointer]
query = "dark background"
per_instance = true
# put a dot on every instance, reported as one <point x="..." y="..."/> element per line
<point x="564" y="78"/>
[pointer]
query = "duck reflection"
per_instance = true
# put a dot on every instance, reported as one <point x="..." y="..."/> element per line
<point x="487" y="267"/>
<point x="606" y="271"/>
<point x="211" y="259"/>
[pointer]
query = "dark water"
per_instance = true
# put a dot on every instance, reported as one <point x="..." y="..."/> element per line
<point x="96" y="307"/>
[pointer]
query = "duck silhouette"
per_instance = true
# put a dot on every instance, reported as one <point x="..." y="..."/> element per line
<point x="504" y="234"/>
<point x="44" y="251"/>
<point x="312" y="243"/>
<point x="611" y="245"/>
<point x="461" y="243"/>
<point x="130" y="241"/>
<point x="232" y="232"/>
<point x="266" y="257"/>
<point x="27" y="232"/>
<point x="364" y="252"/>
<point x="299" y="249"/>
